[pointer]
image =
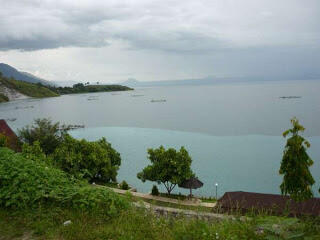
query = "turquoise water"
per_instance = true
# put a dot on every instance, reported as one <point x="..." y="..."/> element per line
<point x="246" y="163"/>
<point x="232" y="131"/>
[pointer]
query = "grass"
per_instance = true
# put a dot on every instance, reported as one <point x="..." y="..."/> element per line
<point x="47" y="223"/>
<point x="208" y="199"/>
<point x="28" y="89"/>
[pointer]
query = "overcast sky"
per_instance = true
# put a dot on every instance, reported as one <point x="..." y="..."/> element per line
<point x="113" y="40"/>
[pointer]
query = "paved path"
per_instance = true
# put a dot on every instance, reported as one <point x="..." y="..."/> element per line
<point x="164" y="199"/>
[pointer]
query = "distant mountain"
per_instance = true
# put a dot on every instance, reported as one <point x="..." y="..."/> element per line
<point x="64" y="83"/>
<point x="9" y="71"/>
<point x="216" y="80"/>
<point x="199" y="81"/>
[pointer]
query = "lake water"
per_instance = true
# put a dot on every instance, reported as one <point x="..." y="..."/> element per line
<point x="232" y="131"/>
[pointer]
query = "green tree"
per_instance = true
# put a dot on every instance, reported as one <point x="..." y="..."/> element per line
<point x="96" y="161"/>
<point x="48" y="134"/>
<point x="169" y="167"/>
<point x="297" y="179"/>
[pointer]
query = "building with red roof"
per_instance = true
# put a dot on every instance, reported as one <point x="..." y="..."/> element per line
<point x="9" y="134"/>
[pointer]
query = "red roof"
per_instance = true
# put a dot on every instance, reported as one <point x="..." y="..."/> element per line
<point x="278" y="204"/>
<point x="6" y="130"/>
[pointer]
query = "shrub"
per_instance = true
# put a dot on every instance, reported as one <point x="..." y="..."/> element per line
<point x="96" y="161"/>
<point x="155" y="191"/>
<point x="124" y="185"/>
<point x="26" y="183"/>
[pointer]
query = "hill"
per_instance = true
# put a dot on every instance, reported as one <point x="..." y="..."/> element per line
<point x="81" y="88"/>
<point x="11" y="89"/>
<point x="9" y="71"/>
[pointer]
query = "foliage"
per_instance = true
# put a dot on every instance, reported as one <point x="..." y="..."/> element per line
<point x="29" y="89"/>
<point x="81" y="88"/>
<point x="124" y="185"/>
<point x="3" y="98"/>
<point x="297" y="179"/>
<point x="154" y="190"/>
<point x="49" y="135"/>
<point x="26" y="183"/>
<point x="169" y="167"/>
<point x="3" y="140"/>
<point x="96" y="161"/>
<point x="35" y="153"/>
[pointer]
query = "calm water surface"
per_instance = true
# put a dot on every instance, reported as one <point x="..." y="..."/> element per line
<point x="232" y="131"/>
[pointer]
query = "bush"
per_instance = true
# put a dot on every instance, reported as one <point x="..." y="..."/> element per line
<point x="26" y="183"/>
<point x="124" y="185"/>
<point x="96" y="161"/>
<point x="155" y="190"/>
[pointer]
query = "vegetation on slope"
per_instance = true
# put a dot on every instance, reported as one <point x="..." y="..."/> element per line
<point x="3" y="98"/>
<point x="9" y="71"/>
<point x="81" y="88"/>
<point x="28" y="89"/>
<point x="27" y="182"/>
<point x="95" y="161"/>
<point x="141" y="224"/>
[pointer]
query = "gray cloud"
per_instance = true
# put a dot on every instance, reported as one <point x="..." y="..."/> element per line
<point x="161" y="39"/>
<point x="171" y="25"/>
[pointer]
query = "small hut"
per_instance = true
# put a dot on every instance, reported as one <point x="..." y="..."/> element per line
<point x="12" y="139"/>
<point x="191" y="183"/>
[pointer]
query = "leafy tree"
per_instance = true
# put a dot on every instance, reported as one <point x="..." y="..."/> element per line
<point x="297" y="179"/>
<point x="169" y="167"/>
<point x="48" y="134"/>
<point x="78" y="85"/>
<point x="96" y="161"/>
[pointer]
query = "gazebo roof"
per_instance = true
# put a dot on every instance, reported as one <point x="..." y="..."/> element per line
<point x="193" y="183"/>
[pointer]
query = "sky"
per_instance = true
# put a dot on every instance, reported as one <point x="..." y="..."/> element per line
<point x="150" y="40"/>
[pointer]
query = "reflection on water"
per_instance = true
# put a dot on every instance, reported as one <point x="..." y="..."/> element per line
<point x="241" y="163"/>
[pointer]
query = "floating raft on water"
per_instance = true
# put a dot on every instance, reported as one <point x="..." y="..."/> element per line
<point x="72" y="127"/>
<point x="137" y="95"/>
<point x="285" y="97"/>
<point x="92" y="98"/>
<point x="159" y="100"/>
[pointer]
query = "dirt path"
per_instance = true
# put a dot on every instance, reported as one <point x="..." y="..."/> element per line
<point x="167" y="200"/>
<point x="167" y="211"/>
